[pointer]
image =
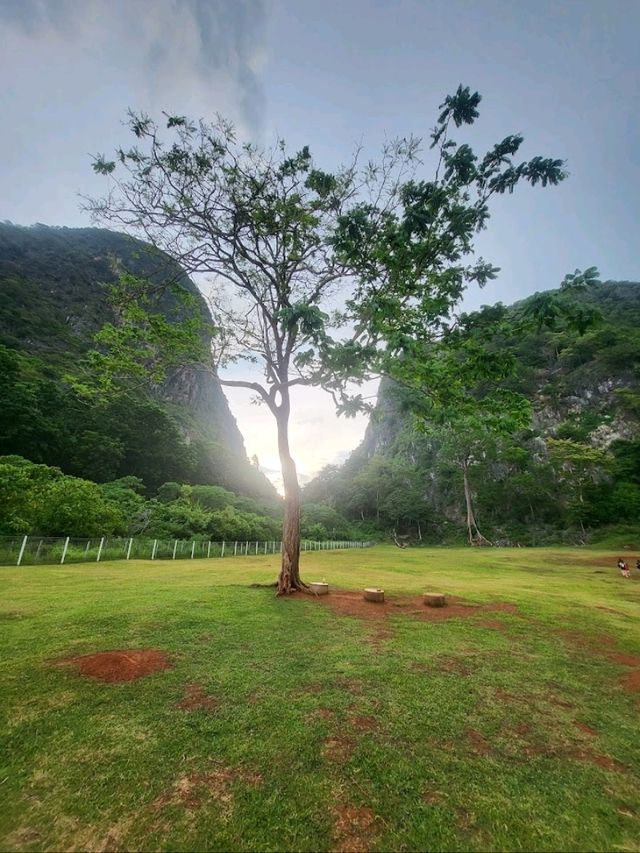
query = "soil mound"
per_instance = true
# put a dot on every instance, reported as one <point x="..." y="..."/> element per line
<point x="121" y="665"/>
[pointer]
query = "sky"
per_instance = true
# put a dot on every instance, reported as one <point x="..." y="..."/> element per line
<point x="335" y="74"/>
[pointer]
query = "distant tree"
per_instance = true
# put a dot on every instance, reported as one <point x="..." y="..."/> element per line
<point x="295" y="242"/>
<point x="576" y="466"/>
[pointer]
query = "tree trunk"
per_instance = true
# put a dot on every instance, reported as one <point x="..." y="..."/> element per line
<point x="289" y="579"/>
<point x="475" y="537"/>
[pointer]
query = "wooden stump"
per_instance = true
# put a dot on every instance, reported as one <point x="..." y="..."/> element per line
<point x="319" y="587"/>
<point x="434" y="599"/>
<point x="372" y="594"/>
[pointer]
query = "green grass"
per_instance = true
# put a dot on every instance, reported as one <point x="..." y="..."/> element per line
<point x="445" y="735"/>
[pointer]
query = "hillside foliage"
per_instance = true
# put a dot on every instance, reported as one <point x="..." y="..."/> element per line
<point x="575" y="469"/>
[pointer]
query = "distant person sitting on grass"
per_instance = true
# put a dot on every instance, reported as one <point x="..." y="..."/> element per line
<point x="624" y="568"/>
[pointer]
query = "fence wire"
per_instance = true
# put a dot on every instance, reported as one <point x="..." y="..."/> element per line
<point x="47" y="550"/>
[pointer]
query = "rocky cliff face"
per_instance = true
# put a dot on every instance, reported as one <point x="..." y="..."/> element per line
<point x="571" y="380"/>
<point x="55" y="298"/>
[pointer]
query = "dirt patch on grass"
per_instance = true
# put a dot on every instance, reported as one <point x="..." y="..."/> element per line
<point x="456" y="665"/>
<point x="479" y="744"/>
<point x="194" y="790"/>
<point x="559" y="703"/>
<point x="195" y="699"/>
<point x="380" y="635"/>
<point x="350" y="603"/>
<point x="353" y="828"/>
<point x="319" y="714"/>
<point x="588" y="730"/>
<point x="312" y="689"/>
<point x="588" y="756"/>
<point x="604" y="645"/>
<point x="363" y="723"/>
<point x="631" y="682"/>
<point x="338" y="748"/>
<point x="120" y="665"/>
<point x="351" y="685"/>
<point x="432" y="798"/>
<point x="624" y="659"/>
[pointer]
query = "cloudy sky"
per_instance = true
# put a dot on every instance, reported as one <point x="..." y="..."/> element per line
<point x="333" y="74"/>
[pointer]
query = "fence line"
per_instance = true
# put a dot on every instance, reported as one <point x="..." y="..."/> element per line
<point x="32" y="550"/>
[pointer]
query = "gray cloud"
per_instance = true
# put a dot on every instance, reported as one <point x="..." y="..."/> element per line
<point x="207" y="53"/>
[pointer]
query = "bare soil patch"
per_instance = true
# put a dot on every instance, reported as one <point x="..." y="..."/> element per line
<point x="338" y="748"/>
<point x="351" y="685"/>
<point x="312" y="689"/>
<point x="353" y="829"/>
<point x="456" y="665"/>
<point x="319" y="714"/>
<point x="121" y="664"/>
<point x="598" y="758"/>
<point x="195" y="699"/>
<point x="624" y="659"/>
<point x="193" y="790"/>
<point x="588" y="730"/>
<point x="350" y="603"/>
<point x="631" y="682"/>
<point x="479" y="744"/>
<point x="605" y="646"/>
<point x="432" y="798"/>
<point x="363" y="723"/>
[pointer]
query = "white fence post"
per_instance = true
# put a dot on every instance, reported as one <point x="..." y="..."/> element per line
<point x="22" y="547"/>
<point x="193" y="548"/>
<point x="129" y="548"/>
<point x="64" y="550"/>
<point x="99" y="549"/>
<point x="175" y="548"/>
<point x="235" y="548"/>
<point x="222" y="550"/>
<point x="153" y="550"/>
<point x="208" y="550"/>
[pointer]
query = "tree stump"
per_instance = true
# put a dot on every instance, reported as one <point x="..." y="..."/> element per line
<point x="372" y="594"/>
<point x="434" y="599"/>
<point x="319" y="587"/>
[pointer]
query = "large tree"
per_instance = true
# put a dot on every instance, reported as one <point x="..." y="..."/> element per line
<point x="331" y="275"/>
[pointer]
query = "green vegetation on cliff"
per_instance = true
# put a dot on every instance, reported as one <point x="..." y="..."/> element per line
<point x="55" y="297"/>
<point x="576" y="469"/>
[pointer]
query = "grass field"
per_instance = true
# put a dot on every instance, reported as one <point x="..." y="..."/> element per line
<point x="291" y="725"/>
